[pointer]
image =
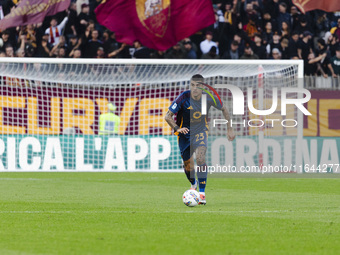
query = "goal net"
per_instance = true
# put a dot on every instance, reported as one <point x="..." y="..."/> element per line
<point x="54" y="113"/>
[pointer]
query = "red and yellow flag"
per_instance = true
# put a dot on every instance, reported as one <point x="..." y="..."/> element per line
<point x="32" y="12"/>
<point x="157" y="24"/>
<point x="326" y="5"/>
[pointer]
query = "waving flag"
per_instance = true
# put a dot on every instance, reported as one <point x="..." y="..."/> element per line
<point x="157" y="24"/>
<point x="32" y="12"/>
<point x="326" y="5"/>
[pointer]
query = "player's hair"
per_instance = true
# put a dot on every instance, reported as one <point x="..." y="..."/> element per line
<point x="197" y="77"/>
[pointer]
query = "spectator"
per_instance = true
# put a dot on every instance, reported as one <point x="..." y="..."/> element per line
<point x="28" y="34"/>
<point x="77" y="53"/>
<point x="251" y="28"/>
<point x="206" y="45"/>
<point x="84" y="18"/>
<point x="74" y="44"/>
<point x="61" y="53"/>
<point x="211" y="54"/>
<point x="29" y="50"/>
<point x="232" y="53"/>
<point x="118" y="53"/>
<point x="333" y="45"/>
<point x="190" y="52"/>
<point x="274" y="44"/>
<point x="140" y="51"/>
<point x="20" y="53"/>
<point x="5" y="36"/>
<point x="86" y="37"/>
<point x="55" y="30"/>
<point x="310" y="68"/>
<point x="44" y="47"/>
<point x="109" y="41"/>
<point x="293" y="45"/>
<point x="241" y="44"/>
<point x="61" y="44"/>
<point x="268" y="33"/>
<point x="303" y="25"/>
<point x="159" y="54"/>
<point x="218" y="12"/>
<point x="31" y="35"/>
<point x="100" y="53"/>
<point x="22" y="40"/>
<point x="93" y="44"/>
<point x="328" y="38"/>
<point x="216" y="27"/>
<point x="257" y="6"/>
<point x="229" y="14"/>
<point x="285" y="53"/>
<point x="9" y="51"/>
<point x="176" y="52"/>
<point x="294" y="17"/>
<point x="335" y="61"/>
<point x="337" y="31"/>
<point x="276" y="53"/>
<point x="272" y="8"/>
<point x="322" y="24"/>
<point x="249" y="54"/>
<point x="285" y="30"/>
<point x="259" y="48"/>
<point x="72" y="26"/>
<point x="283" y="16"/>
<point x="322" y="60"/>
<point x="249" y="11"/>
<point x="304" y="46"/>
<point x="268" y="18"/>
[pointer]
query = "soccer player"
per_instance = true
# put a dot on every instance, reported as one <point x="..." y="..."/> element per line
<point x="192" y="130"/>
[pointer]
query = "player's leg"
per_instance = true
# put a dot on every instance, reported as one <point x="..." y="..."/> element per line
<point x="199" y="146"/>
<point x="202" y="172"/>
<point x="186" y="153"/>
<point x="190" y="172"/>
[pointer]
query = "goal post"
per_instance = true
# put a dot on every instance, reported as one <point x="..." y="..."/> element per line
<point x="51" y="109"/>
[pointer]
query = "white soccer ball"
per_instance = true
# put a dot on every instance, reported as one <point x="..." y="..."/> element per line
<point x="191" y="198"/>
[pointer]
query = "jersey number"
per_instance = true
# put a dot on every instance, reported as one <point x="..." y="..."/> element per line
<point x="199" y="137"/>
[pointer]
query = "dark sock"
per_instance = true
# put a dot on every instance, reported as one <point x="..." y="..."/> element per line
<point x="202" y="177"/>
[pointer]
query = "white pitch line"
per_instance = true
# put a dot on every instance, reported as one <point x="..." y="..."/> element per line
<point x="94" y="212"/>
<point x="24" y="179"/>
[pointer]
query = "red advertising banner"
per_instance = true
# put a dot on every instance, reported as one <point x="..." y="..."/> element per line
<point x="45" y="110"/>
<point x="325" y="109"/>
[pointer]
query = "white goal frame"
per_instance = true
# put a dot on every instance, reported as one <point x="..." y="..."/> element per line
<point x="173" y="62"/>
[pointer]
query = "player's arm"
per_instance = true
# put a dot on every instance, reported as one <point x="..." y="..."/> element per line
<point x="230" y="131"/>
<point x="170" y="120"/>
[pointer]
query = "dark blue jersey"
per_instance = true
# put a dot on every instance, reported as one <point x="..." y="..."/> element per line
<point x="189" y="113"/>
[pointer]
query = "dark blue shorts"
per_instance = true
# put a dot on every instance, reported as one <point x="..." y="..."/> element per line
<point x="189" y="143"/>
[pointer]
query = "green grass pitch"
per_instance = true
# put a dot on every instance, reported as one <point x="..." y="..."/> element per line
<point x="143" y="213"/>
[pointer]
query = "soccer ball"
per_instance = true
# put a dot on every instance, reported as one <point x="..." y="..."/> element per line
<point x="191" y="198"/>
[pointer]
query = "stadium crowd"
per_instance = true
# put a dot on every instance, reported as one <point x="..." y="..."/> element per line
<point x="244" y="29"/>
